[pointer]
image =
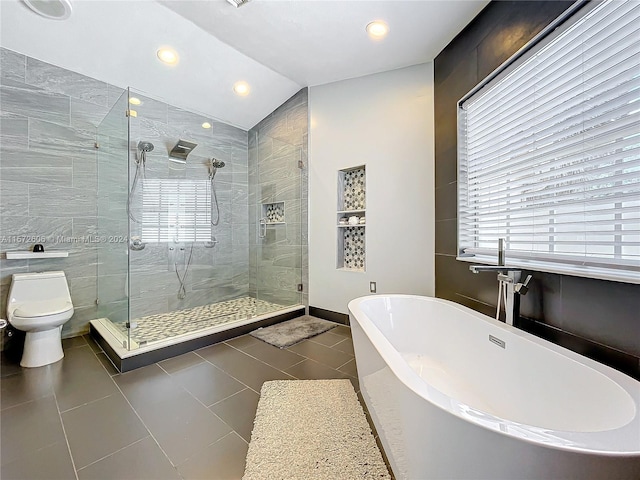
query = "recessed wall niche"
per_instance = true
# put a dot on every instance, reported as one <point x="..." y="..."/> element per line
<point x="273" y="213"/>
<point x="351" y="220"/>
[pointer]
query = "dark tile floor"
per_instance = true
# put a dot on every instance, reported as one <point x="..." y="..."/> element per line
<point x="188" y="417"/>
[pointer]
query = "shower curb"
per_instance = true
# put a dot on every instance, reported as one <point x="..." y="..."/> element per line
<point x="147" y="358"/>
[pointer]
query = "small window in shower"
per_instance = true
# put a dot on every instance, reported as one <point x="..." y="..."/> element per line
<point x="176" y="210"/>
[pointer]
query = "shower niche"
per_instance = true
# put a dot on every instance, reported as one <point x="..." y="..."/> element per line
<point x="273" y="213"/>
<point x="351" y="219"/>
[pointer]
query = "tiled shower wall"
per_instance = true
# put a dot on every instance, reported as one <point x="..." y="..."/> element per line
<point x="48" y="117"/>
<point x="593" y="317"/>
<point x="48" y="188"/>
<point x="215" y="274"/>
<point x="279" y="262"/>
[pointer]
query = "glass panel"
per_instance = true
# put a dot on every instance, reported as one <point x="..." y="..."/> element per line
<point x="181" y="253"/>
<point x="278" y="248"/>
<point x="112" y="226"/>
<point x="189" y="217"/>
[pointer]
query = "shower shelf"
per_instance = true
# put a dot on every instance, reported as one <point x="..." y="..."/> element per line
<point x="352" y="211"/>
<point x="347" y="214"/>
<point x="33" y="255"/>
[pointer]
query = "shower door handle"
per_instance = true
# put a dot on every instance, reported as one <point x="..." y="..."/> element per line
<point x="262" y="229"/>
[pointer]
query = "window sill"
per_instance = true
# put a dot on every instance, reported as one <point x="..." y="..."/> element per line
<point x="598" y="273"/>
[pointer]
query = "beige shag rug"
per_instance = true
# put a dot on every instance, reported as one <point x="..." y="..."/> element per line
<point x="312" y="430"/>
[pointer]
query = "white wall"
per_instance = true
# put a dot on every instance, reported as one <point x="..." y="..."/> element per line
<point x="384" y="121"/>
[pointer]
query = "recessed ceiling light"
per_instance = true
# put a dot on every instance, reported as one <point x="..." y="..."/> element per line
<point x="53" y="9"/>
<point x="206" y="125"/>
<point x="134" y="101"/>
<point x="241" y="88"/>
<point x="168" y="56"/>
<point x="377" y="29"/>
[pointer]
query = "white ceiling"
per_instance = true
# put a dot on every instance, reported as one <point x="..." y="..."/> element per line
<point x="277" y="46"/>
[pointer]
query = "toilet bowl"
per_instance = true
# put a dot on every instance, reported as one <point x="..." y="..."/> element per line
<point x="39" y="304"/>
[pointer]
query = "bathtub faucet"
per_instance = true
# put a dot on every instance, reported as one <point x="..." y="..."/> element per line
<point x="510" y="289"/>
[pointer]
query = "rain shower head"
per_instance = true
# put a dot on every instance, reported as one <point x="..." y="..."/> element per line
<point x="145" y="146"/>
<point x="181" y="150"/>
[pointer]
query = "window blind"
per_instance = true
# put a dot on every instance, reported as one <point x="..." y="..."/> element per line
<point x="549" y="152"/>
<point x="176" y="210"/>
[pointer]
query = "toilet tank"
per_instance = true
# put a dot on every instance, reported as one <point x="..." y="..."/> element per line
<point x="42" y="286"/>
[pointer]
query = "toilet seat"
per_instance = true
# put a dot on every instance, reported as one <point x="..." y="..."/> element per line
<point x="42" y="309"/>
<point x="40" y="315"/>
<point x="37" y="324"/>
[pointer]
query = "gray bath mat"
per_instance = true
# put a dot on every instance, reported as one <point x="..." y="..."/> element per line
<point x="312" y="429"/>
<point x="293" y="331"/>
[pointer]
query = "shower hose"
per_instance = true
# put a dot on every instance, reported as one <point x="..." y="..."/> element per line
<point x="182" y="290"/>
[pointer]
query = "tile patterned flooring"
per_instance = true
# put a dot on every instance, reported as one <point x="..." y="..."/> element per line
<point x="166" y="325"/>
<point x="188" y="417"/>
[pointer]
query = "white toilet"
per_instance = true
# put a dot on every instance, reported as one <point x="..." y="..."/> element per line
<point x="39" y="304"/>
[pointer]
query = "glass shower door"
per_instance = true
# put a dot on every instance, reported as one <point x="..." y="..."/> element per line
<point x="280" y="217"/>
<point x="189" y="216"/>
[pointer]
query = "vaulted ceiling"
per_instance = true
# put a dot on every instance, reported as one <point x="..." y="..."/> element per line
<point x="276" y="46"/>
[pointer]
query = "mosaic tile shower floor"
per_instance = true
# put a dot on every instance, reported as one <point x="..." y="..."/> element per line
<point x="166" y="325"/>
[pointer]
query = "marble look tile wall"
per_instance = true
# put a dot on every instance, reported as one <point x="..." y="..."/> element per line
<point x="48" y="184"/>
<point x="215" y="274"/>
<point x="48" y="119"/>
<point x="278" y="262"/>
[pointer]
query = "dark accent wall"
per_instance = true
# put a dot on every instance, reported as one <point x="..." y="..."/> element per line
<point x="597" y="318"/>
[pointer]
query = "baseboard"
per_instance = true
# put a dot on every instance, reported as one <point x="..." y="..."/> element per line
<point x="330" y="315"/>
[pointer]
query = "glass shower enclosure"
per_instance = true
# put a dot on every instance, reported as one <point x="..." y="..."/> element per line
<point x="200" y="224"/>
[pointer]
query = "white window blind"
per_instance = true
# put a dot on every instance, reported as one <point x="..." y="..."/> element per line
<point x="549" y="152"/>
<point x="176" y="210"/>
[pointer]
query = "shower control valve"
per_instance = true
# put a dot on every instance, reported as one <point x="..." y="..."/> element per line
<point x="137" y="244"/>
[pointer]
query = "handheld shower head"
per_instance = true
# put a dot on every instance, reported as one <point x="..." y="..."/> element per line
<point x="140" y="161"/>
<point x="214" y="165"/>
<point x="145" y="146"/>
<point x="143" y="149"/>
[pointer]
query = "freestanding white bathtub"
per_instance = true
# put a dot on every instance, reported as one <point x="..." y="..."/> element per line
<point x="455" y="394"/>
